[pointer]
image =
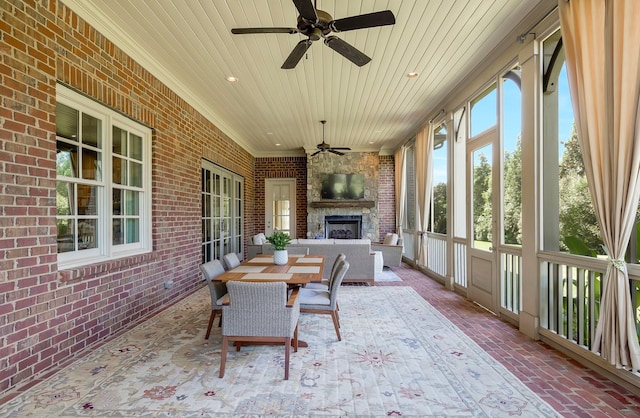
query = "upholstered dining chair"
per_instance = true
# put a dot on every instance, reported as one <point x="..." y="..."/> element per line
<point x="324" y="284"/>
<point x="231" y="261"/>
<point x="325" y="301"/>
<point x="260" y="312"/>
<point x="218" y="290"/>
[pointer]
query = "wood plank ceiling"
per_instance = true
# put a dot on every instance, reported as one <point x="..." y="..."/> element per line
<point x="188" y="45"/>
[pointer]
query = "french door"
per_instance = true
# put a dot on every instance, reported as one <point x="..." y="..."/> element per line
<point x="222" y="212"/>
<point x="280" y="206"/>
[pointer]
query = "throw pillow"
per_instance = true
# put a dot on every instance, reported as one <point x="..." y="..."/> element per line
<point x="390" y="239"/>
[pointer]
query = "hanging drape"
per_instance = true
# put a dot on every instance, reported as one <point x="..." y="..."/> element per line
<point x="400" y="181"/>
<point x="602" y="49"/>
<point x="424" y="174"/>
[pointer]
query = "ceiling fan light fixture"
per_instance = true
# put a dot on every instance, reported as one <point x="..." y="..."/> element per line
<point x="317" y="24"/>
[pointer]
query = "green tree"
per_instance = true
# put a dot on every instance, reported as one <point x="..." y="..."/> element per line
<point x="577" y="215"/>
<point x="440" y="208"/>
<point x="482" y="215"/>
<point x="512" y="206"/>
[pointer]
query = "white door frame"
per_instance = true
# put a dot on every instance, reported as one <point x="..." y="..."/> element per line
<point x="482" y="264"/>
<point x="287" y="186"/>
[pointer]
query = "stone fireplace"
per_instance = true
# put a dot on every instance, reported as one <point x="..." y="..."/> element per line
<point x="343" y="227"/>
<point x="365" y="210"/>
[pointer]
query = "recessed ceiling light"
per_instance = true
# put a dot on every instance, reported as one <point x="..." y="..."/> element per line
<point x="412" y="74"/>
<point x="372" y="142"/>
<point x="277" y="145"/>
<point x="269" y="133"/>
<point x="232" y="79"/>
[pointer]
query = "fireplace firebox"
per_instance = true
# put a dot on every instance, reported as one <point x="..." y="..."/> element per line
<point x="343" y="226"/>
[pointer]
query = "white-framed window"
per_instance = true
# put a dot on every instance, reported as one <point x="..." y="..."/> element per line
<point x="103" y="182"/>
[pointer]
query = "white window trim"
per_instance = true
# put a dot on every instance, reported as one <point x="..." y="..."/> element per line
<point x="106" y="250"/>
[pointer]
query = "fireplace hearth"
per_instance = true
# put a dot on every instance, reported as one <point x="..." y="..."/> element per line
<point x="343" y="226"/>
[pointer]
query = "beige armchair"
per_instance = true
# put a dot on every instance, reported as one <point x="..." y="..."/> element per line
<point x="260" y="312"/>
<point x="391" y="249"/>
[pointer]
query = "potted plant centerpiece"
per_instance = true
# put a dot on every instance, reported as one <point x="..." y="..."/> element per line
<point x="279" y="240"/>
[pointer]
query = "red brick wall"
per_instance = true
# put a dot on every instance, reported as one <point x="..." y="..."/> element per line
<point x="48" y="316"/>
<point x="282" y="167"/>
<point x="386" y="195"/>
<point x="296" y="167"/>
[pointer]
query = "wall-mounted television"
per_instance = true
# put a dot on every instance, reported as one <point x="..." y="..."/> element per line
<point x="342" y="186"/>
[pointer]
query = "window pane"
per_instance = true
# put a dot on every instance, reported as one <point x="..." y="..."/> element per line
<point x="482" y="204"/>
<point x="118" y="232"/>
<point x="91" y="164"/>
<point x="512" y="160"/>
<point x="206" y="181"/>
<point x="439" y="192"/>
<point x="133" y="230"/>
<point x="119" y="141"/>
<point x="66" y="122"/>
<point x="135" y="174"/>
<point x="119" y="171"/>
<point x="410" y="206"/>
<point x="136" y="147"/>
<point x="64" y="201"/>
<point x="117" y="201"/>
<point x="87" y="233"/>
<point x="66" y="235"/>
<point x="66" y="159"/>
<point x="133" y="205"/>
<point x="87" y="200"/>
<point x="483" y="111"/>
<point x="91" y="131"/>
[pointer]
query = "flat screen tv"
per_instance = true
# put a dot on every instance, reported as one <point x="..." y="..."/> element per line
<point x="342" y="186"/>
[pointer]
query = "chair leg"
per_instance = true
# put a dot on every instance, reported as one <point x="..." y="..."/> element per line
<point x="223" y="355"/>
<point x="211" y="318"/>
<point x="287" y="354"/>
<point x="336" y="324"/>
<point x="295" y="339"/>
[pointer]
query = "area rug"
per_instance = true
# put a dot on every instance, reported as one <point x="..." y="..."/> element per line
<point x="398" y="357"/>
<point x="387" y="276"/>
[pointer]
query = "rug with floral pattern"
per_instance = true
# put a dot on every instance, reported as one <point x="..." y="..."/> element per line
<point x="398" y="357"/>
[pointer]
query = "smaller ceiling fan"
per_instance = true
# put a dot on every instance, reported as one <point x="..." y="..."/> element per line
<point x="324" y="147"/>
<point x="317" y="24"/>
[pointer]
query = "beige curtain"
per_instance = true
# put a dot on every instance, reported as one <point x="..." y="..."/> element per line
<point x="400" y="181"/>
<point x="424" y="174"/>
<point x="602" y="49"/>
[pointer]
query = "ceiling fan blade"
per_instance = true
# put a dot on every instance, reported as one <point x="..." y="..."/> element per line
<point x="333" y="150"/>
<point x="245" y="31"/>
<point x="306" y="10"/>
<point x="368" y="20"/>
<point x="346" y="50"/>
<point x="316" y="153"/>
<point x="342" y="148"/>
<point x="296" y="55"/>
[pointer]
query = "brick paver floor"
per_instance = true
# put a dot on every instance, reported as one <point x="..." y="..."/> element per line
<point x="571" y="388"/>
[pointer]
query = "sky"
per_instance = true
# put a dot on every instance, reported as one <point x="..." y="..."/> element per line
<point x="484" y="116"/>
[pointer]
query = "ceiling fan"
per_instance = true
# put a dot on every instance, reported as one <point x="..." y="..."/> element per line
<point x="324" y="147"/>
<point x="315" y="24"/>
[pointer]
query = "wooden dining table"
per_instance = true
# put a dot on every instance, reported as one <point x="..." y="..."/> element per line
<point x="299" y="270"/>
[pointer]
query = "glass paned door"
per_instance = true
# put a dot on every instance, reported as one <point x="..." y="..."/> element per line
<point x="482" y="285"/>
<point x="280" y="206"/>
<point x="222" y="212"/>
